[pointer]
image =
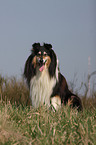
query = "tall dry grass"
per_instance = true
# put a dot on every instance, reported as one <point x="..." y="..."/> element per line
<point x="17" y="92"/>
<point x="24" y="125"/>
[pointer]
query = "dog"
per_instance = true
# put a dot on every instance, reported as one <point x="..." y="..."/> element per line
<point x="46" y="84"/>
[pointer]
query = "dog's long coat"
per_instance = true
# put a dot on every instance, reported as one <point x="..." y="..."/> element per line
<point x="47" y="85"/>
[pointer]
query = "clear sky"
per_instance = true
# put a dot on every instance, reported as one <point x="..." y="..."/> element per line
<point x="69" y="25"/>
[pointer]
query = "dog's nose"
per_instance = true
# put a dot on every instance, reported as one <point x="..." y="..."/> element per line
<point x="41" y="60"/>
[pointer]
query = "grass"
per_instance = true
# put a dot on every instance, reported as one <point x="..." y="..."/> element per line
<point x="20" y="124"/>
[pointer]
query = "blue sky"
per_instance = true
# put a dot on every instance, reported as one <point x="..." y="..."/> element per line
<point x="69" y="25"/>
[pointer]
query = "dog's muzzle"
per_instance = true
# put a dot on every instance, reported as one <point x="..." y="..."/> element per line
<point x="41" y="63"/>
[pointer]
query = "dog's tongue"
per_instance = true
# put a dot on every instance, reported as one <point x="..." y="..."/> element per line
<point x="41" y="68"/>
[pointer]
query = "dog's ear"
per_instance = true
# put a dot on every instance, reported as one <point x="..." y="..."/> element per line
<point x="35" y="47"/>
<point x="47" y="46"/>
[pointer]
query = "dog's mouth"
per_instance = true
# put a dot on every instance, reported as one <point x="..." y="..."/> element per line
<point x="42" y="65"/>
<point x="41" y="68"/>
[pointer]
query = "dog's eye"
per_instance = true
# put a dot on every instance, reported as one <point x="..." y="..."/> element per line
<point x="45" y="54"/>
<point x="39" y="53"/>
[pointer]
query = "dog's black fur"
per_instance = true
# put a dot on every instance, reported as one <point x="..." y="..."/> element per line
<point x="60" y="89"/>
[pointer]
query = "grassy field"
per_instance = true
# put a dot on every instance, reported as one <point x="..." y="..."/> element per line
<point x="20" y="124"/>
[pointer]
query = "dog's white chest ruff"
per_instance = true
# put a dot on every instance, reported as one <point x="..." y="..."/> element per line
<point x="41" y="87"/>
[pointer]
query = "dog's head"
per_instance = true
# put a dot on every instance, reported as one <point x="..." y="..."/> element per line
<point x="42" y="56"/>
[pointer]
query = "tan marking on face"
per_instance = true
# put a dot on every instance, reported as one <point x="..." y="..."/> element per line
<point x="48" y="60"/>
<point x="45" y="53"/>
<point x="39" y="52"/>
<point x="34" y="61"/>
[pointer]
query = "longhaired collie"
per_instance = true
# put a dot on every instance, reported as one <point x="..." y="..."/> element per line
<point x="46" y="84"/>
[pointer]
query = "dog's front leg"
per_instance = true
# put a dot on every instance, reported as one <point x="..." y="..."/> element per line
<point x="56" y="102"/>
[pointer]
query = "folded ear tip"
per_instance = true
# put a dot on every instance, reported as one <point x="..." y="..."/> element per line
<point x="35" y="45"/>
<point x="49" y="46"/>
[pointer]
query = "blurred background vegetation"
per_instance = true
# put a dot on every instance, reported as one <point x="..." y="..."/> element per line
<point x="16" y="91"/>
